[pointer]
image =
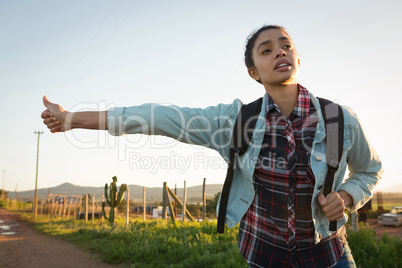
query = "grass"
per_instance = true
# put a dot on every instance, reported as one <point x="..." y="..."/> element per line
<point x="158" y="243"/>
<point x="369" y="251"/>
<point x="154" y="243"/>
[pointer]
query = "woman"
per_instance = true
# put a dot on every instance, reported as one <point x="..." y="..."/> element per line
<point x="277" y="199"/>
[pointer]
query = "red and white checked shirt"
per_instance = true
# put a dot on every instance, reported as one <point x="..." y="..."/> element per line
<point x="278" y="230"/>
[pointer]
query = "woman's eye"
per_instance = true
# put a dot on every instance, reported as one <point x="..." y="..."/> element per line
<point x="287" y="47"/>
<point x="266" y="51"/>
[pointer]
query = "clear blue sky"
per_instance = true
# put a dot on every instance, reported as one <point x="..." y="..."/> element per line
<point x="95" y="54"/>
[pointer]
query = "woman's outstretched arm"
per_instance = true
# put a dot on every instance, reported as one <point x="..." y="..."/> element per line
<point x="59" y="120"/>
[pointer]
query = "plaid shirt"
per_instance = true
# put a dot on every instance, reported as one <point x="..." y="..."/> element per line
<point x="278" y="230"/>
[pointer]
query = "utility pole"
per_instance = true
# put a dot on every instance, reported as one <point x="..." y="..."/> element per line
<point x="4" y="178"/>
<point x="35" y="210"/>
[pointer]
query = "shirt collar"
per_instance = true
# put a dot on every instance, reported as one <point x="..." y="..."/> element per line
<point x="302" y="108"/>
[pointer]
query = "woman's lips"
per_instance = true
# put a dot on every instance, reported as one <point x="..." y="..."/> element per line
<point x="282" y="65"/>
<point x="283" y="68"/>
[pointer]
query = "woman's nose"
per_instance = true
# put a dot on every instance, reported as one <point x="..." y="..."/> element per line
<point x="280" y="53"/>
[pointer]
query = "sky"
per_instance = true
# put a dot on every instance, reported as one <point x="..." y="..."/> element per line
<point x="97" y="54"/>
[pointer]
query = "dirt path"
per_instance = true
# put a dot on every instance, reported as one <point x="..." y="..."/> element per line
<point x="21" y="246"/>
<point x="379" y="229"/>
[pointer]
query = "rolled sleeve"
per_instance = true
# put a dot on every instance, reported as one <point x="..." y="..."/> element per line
<point x="365" y="169"/>
<point x="115" y="121"/>
<point x="208" y="127"/>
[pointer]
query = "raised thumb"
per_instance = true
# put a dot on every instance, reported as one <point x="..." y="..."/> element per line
<point x="46" y="101"/>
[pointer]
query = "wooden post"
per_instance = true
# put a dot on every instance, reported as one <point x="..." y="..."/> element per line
<point x="175" y="205"/>
<point x="164" y="199"/>
<point x="55" y="208"/>
<point x="80" y="205"/>
<point x="75" y="209"/>
<point x="184" y="202"/>
<point x="43" y="204"/>
<point x="204" y="199"/>
<point x="69" y="208"/>
<point x="60" y="207"/>
<point x="172" y="216"/>
<point x="144" y="211"/>
<point x="93" y="208"/>
<point x="103" y="200"/>
<point x="180" y="203"/>
<point x="48" y="201"/>
<point x="51" y="208"/>
<point x="127" y="207"/>
<point x="86" y="207"/>
<point x="19" y="205"/>
<point x="64" y="206"/>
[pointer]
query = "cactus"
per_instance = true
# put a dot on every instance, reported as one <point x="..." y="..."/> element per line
<point x="113" y="199"/>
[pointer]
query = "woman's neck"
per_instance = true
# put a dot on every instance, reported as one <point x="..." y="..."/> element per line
<point x="285" y="96"/>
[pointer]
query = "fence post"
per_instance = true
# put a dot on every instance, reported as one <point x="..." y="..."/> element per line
<point x="48" y="201"/>
<point x="69" y="208"/>
<point x="86" y="207"/>
<point x="127" y="207"/>
<point x="79" y="206"/>
<point x="204" y="199"/>
<point x="64" y="206"/>
<point x="58" y="211"/>
<point x="93" y="208"/>
<point x="51" y="208"/>
<point x="54" y="207"/>
<point x="184" y="202"/>
<point x="172" y="215"/>
<point x="164" y="199"/>
<point x="175" y="203"/>
<point x="43" y="204"/>
<point x="103" y="200"/>
<point x="144" y="212"/>
<point x="75" y="209"/>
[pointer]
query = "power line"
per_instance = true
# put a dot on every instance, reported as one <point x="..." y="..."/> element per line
<point x="108" y="41"/>
<point x="90" y="44"/>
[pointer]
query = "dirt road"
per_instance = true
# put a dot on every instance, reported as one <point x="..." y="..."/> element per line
<point x="20" y="246"/>
<point x="379" y="229"/>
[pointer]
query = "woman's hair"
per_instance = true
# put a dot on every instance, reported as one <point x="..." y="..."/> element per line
<point x="248" y="55"/>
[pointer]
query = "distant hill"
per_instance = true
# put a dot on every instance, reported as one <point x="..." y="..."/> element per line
<point x="194" y="194"/>
<point x="393" y="189"/>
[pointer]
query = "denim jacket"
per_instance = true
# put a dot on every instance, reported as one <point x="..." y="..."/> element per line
<point x="212" y="127"/>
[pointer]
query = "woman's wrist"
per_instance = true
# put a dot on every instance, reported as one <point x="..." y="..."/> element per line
<point x="347" y="198"/>
<point x="87" y="120"/>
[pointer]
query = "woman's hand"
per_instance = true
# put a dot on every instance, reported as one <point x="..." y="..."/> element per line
<point x="54" y="117"/>
<point x="334" y="204"/>
<point x="59" y="120"/>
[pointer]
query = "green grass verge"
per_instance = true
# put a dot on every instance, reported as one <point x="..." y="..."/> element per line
<point x="158" y="243"/>
<point x="371" y="252"/>
<point x="154" y="243"/>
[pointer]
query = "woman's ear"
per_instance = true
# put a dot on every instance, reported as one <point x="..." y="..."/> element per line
<point x="254" y="73"/>
<point x="298" y="61"/>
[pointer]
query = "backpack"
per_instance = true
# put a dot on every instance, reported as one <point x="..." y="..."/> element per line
<point x="243" y="131"/>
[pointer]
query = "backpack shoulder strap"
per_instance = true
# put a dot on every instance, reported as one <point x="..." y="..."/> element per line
<point x="334" y="127"/>
<point x="242" y="133"/>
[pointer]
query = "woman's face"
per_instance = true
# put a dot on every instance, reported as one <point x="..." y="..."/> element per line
<point x="275" y="60"/>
